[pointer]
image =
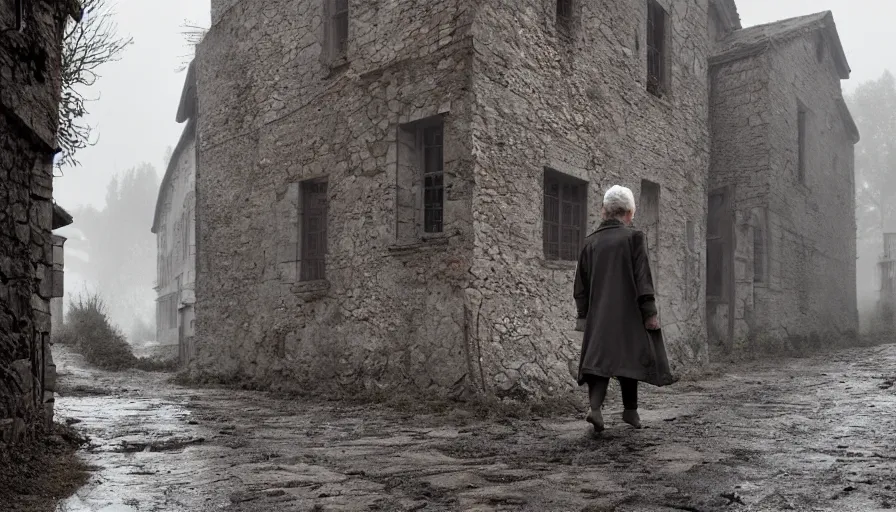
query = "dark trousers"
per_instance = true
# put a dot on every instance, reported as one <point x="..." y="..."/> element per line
<point x="597" y="390"/>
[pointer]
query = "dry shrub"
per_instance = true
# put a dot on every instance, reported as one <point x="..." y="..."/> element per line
<point x="88" y="331"/>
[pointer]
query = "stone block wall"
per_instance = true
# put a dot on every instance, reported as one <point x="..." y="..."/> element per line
<point x="29" y="97"/>
<point x="176" y="240"/>
<point x="573" y="98"/>
<point x="812" y="253"/>
<point x="276" y="112"/>
<point x="740" y="116"/>
<point x="803" y="286"/>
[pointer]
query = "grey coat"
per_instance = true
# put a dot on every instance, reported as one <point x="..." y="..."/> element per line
<point x="614" y="294"/>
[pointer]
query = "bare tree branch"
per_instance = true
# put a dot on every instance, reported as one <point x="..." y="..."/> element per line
<point x="193" y="35"/>
<point x="86" y="46"/>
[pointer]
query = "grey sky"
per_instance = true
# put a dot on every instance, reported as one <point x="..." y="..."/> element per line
<point x="138" y="97"/>
<point x="134" y="117"/>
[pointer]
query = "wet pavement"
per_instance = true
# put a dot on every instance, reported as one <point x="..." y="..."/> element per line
<point x="798" y="434"/>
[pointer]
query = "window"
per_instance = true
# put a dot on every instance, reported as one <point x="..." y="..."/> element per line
<point x="166" y="311"/>
<point x="420" y="179"/>
<point x="563" y="231"/>
<point x="801" y="141"/>
<point x="433" y="178"/>
<point x="186" y="235"/>
<point x="656" y="48"/>
<point x="336" y="31"/>
<point x="564" y="15"/>
<point x="649" y="217"/>
<point x="716" y="278"/>
<point x="314" y="230"/>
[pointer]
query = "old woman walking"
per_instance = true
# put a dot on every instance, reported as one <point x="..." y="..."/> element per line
<point x="616" y="308"/>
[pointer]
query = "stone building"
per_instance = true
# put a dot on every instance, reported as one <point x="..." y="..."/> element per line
<point x="781" y="242"/>
<point x="174" y="226"/>
<point x="394" y="194"/>
<point x="887" y="267"/>
<point x="61" y="218"/>
<point x="30" y="88"/>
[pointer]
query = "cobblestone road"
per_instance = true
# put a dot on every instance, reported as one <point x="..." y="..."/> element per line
<point x="798" y="434"/>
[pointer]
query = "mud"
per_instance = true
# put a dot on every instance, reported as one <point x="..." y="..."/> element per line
<point x="797" y="434"/>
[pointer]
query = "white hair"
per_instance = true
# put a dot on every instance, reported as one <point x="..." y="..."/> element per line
<point x="618" y="201"/>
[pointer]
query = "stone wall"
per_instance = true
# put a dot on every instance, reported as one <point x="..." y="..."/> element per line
<point x="29" y="96"/>
<point x="274" y="112"/>
<point x="739" y="103"/>
<point x="519" y="91"/>
<point x="575" y="100"/>
<point x="219" y="9"/>
<point x="803" y="287"/>
<point x="175" y="240"/>
<point x="812" y="254"/>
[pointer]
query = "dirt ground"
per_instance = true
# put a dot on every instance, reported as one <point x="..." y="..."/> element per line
<point x="797" y="434"/>
<point x="34" y="476"/>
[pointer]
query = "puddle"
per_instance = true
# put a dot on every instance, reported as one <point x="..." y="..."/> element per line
<point x="143" y="443"/>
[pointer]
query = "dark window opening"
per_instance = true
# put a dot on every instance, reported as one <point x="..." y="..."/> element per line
<point x="715" y="246"/>
<point x="801" y="141"/>
<point x="314" y="230"/>
<point x="649" y="217"/>
<point x="338" y="28"/>
<point x="564" y="14"/>
<point x="656" y="48"/>
<point x="433" y="178"/>
<point x="564" y="218"/>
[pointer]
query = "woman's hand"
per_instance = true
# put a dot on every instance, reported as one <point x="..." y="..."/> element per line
<point x="652" y="323"/>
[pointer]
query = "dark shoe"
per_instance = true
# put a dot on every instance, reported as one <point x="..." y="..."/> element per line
<point x="631" y="417"/>
<point x="596" y="419"/>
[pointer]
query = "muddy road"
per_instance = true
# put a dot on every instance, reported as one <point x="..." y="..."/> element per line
<point x="799" y="434"/>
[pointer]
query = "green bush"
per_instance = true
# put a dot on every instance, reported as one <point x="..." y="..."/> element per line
<point x="88" y="331"/>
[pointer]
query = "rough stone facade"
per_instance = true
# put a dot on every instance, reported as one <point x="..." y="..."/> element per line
<point x="577" y="102"/>
<point x="30" y="49"/>
<point x="541" y="105"/>
<point x="274" y="113"/>
<point x="886" y="305"/>
<point x="174" y="226"/>
<point x="787" y="228"/>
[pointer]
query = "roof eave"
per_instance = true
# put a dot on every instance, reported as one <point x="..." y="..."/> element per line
<point x="61" y="218"/>
<point x="727" y="11"/>
<point x="186" y="109"/>
<point x="848" y="121"/>
<point x="187" y="134"/>
<point x="839" y="54"/>
<point x="75" y="10"/>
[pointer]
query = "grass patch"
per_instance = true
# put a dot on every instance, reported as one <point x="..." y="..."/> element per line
<point x="88" y="331"/>
<point x="35" y="475"/>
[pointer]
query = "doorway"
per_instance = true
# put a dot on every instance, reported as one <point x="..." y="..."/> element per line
<point x="720" y="268"/>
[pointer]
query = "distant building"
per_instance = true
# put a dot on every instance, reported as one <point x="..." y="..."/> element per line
<point x="781" y="245"/>
<point x="396" y="195"/>
<point x="174" y="226"/>
<point x="887" y="266"/>
<point x="61" y="218"/>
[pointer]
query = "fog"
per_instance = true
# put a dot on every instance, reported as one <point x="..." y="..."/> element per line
<point x="134" y="127"/>
<point x="132" y="117"/>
